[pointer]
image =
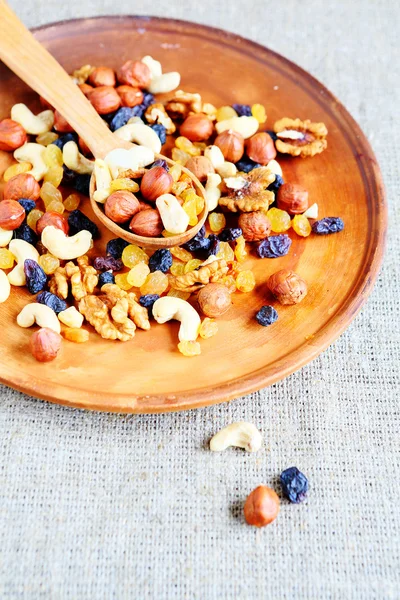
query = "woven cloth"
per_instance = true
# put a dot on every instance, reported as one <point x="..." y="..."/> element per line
<point x="101" y="506"/>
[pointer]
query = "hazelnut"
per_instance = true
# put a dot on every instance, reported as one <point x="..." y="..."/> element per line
<point x="85" y="88"/>
<point x="129" y="95"/>
<point x="105" y="99"/>
<point x="147" y="223"/>
<point x="12" y="214"/>
<point x="60" y="124"/>
<point x="121" y="206"/>
<point x="54" y="219"/>
<point x="84" y="148"/>
<point x="134" y="73"/>
<point x="156" y="182"/>
<point x="23" y="185"/>
<point x="261" y="506"/>
<point x="261" y="148"/>
<point x="102" y="76"/>
<point x="214" y="299"/>
<point x="12" y="135"/>
<point x="45" y="344"/>
<point x="255" y="226"/>
<point x="231" y="145"/>
<point x="293" y="198"/>
<point x="197" y="127"/>
<point x="144" y="205"/>
<point x="287" y="286"/>
<point x="200" y="167"/>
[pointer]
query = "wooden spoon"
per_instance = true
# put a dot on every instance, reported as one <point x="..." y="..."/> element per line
<point x="24" y="55"/>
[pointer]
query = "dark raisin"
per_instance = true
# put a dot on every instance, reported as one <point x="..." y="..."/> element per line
<point x="275" y="185"/>
<point x="160" y="131"/>
<point x="69" y="176"/>
<point x="274" y="246"/>
<point x="116" y="247"/>
<point x="24" y="232"/>
<point x="230" y="233"/>
<point x="52" y="301"/>
<point x="197" y="244"/>
<point x="147" y="100"/>
<point x="107" y="263"/>
<point x="106" y="277"/>
<point x="214" y="245"/>
<point x="243" y="110"/>
<point x="147" y="301"/>
<point x="160" y="163"/>
<point x="294" y="485"/>
<point x="266" y="315"/>
<point x="63" y="139"/>
<point x="77" y="221"/>
<point x="36" y="278"/>
<point x="160" y="261"/>
<point x="328" y="225"/>
<point x="121" y="117"/>
<point x="246" y="165"/>
<point x="27" y="205"/>
<point x="81" y="184"/>
<point x="272" y="135"/>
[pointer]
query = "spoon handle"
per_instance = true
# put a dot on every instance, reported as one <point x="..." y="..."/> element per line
<point x="26" y="57"/>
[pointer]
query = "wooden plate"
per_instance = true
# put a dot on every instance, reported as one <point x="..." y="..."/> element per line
<point x="148" y="374"/>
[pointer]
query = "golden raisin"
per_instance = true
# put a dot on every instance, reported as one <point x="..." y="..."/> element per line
<point x="49" y="192"/>
<point x="179" y="294"/>
<point x="52" y="156"/>
<point x="279" y="219"/>
<point x="188" y="348"/>
<point x="181" y="253"/>
<point x="225" y="112"/>
<point x="75" y="334"/>
<point x="22" y="167"/>
<point x="177" y="268"/>
<point x="55" y="206"/>
<point x="226" y="252"/>
<point x="121" y="279"/>
<point x="72" y="202"/>
<point x="44" y="139"/>
<point x="49" y="263"/>
<point x="186" y="145"/>
<point x="33" y="217"/>
<point x="217" y="222"/>
<point x="301" y="225"/>
<point x="180" y="156"/>
<point x="156" y="283"/>
<point x="258" y="111"/>
<point x="208" y="328"/>
<point x="124" y="183"/>
<point x="240" y="249"/>
<point x="6" y="259"/>
<point x="192" y="265"/>
<point x="54" y="175"/>
<point x="138" y="274"/>
<point x="245" y="281"/>
<point x="132" y="255"/>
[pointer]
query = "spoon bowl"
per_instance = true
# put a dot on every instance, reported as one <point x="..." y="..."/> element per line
<point x="24" y="55"/>
<point x="151" y="242"/>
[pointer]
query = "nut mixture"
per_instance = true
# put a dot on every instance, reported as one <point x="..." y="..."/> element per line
<point x="50" y="246"/>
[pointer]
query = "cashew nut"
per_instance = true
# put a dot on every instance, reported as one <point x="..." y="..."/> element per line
<point x="75" y="161"/>
<point x="40" y="314"/>
<point x="212" y="191"/>
<point x="274" y="167"/>
<point x="34" y="124"/>
<point x="227" y="169"/>
<point x="64" y="247"/>
<point x="174" y="218"/>
<point x="215" y="156"/>
<point x="135" y="158"/>
<point x="240" y="434"/>
<point x="246" y="126"/>
<point x="143" y="135"/>
<point x="103" y="181"/>
<point x="154" y="66"/>
<point x="21" y="251"/>
<point x="135" y="120"/>
<point x="71" y="317"/>
<point x="5" y="287"/>
<point x="164" y="83"/>
<point x="235" y="183"/>
<point x="5" y="237"/>
<point x="312" y="211"/>
<point x="33" y="153"/>
<point x="169" y="307"/>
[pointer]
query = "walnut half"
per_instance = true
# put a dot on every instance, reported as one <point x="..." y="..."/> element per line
<point x="300" y="138"/>
<point x="252" y="194"/>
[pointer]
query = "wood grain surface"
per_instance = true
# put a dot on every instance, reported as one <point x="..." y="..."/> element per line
<point x="148" y="374"/>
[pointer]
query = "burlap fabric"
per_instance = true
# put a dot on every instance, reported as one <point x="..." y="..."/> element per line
<point x="99" y="506"/>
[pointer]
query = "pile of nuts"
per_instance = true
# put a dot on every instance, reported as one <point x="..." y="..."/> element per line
<point x="262" y="505"/>
<point x="49" y="245"/>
